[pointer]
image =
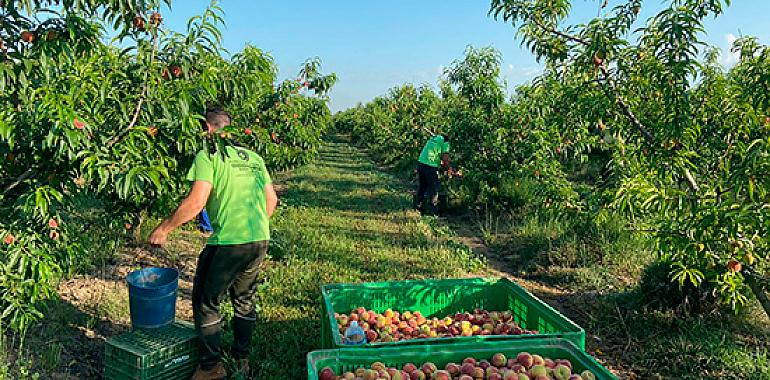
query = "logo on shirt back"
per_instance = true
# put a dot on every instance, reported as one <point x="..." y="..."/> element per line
<point x="243" y="155"/>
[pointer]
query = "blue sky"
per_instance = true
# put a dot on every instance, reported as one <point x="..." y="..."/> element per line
<point x="374" y="46"/>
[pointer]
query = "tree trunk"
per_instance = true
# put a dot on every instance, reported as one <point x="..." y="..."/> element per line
<point x="759" y="292"/>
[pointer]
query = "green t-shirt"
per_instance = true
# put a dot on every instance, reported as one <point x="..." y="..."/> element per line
<point x="431" y="153"/>
<point x="237" y="205"/>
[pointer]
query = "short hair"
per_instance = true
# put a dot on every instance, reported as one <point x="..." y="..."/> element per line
<point x="217" y="117"/>
<point x="446" y="137"/>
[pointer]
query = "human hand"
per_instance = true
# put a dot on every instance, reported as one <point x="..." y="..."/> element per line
<point x="158" y="236"/>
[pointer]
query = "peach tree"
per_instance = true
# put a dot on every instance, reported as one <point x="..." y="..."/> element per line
<point x="86" y="125"/>
<point x="690" y="140"/>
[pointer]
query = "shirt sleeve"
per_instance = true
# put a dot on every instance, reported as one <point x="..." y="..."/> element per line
<point x="202" y="169"/>
<point x="264" y="175"/>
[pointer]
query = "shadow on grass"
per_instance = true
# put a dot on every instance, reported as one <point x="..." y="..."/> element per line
<point x="69" y="344"/>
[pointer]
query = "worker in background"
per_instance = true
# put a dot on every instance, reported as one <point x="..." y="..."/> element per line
<point x="434" y="156"/>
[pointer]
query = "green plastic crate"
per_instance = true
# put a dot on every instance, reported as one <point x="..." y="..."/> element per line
<point x="167" y="353"/>
<point x="342" y="360"/>
<point x="445" y="297"/>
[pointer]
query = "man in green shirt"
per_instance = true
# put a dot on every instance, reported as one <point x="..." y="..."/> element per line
<point x="234" y="186"/>
<point x="434" y="154"/>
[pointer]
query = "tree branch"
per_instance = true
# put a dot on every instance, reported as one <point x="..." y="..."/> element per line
<point x="759" y="291"/>
<point x="558" y="32"/>
<point x="19" y="180"/>
<point x="131" y="125"/>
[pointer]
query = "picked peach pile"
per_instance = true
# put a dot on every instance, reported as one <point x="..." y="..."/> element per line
<point x="392" y="326"/>
<point x="524" y="366"/>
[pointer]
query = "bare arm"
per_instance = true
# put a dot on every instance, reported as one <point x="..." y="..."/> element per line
<point x="272" y="199"/>
<point x="445" y="161"/>
<point x="187" y="210"/>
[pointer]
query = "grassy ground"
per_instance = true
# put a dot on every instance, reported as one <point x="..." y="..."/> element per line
<point x="344" y="220"/>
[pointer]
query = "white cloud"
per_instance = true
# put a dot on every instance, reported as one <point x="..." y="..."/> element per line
<point x="510" y="67"/>
<point x="728" y="57"/>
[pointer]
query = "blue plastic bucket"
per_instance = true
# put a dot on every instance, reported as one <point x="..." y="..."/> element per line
<point x="152" y="297"/>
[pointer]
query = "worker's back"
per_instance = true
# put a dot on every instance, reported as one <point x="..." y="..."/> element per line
<point x="431" y="153"/>
<point x="237" y="205"/>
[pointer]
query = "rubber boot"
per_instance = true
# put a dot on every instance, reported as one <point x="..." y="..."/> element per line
<point x="216" y="373"/>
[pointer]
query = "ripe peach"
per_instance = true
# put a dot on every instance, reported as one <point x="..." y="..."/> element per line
<point x="9" y="239"/>
<point x="467" y="369"/>
<point x="491" y="370"/>
<point x="442" y="375"/>
<point x="538" y="360"/>
<point x="360" y="310"/>
<point x="470" y="360"/>
<point x="453" y="369"/>
<point x="409" y="367"/>
<point x="138" y="22"/>
<point x="417" y="375"/>
<point x="494" y="376"/>
<point x="156" y="18"/>
<point x="371" y="336"/>
<point x="564" y="362"/>
<point x="370" y="374"/>
<point x="348" y="376"/>
<point x="484" y="364"/>
<point x="383" y="374"/>
<point x="525" y="359"/>
<point x="465" y="377"/>
<point x="327" y="374"/>
<point x="499" y="360"/>
<point x="588" y="375"/>
<point x="538" y="370"/>
<point x="360" y="372"/>
<point x="562" y="372"/>
<point x="28" y="36"/>
<point x="510" y="375"/>
<point x="598" y="59"/>
<point x="478" y="373"/>
<point x="429" y="368"/>
<point x="512" y="362"/>
<point x="353" y="316"/>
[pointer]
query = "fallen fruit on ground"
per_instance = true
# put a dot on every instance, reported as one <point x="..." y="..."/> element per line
<point x="78" y="124"/>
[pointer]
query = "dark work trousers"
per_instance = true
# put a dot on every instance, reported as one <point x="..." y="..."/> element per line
<point x="426" y="198"/>
<point x="222" y="269"/>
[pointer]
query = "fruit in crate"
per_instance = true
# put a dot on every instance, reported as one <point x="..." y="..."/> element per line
<point x="524" y="366"/>
<point x="394" y="326"/>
